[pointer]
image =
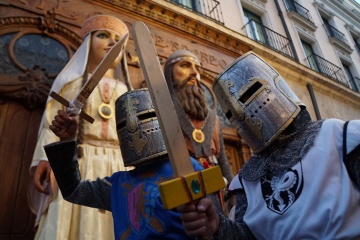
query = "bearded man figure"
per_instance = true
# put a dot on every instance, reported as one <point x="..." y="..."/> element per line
<point x="200" y="124"/>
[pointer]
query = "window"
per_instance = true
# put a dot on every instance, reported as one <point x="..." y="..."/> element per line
<point x="255" y="27"/>
<point x="357" y="43"/>
<point x="187" y="3"/>
<point x="208" y="8"/>
<point x="333" y="32"/>
<point x="191" y="4"/>
<point x="327" y="26"/>
<point x="350" y="77"/>
<point x="30" y="50"/>
<point x="310" y="56"/>
<point x="323" y="66"/>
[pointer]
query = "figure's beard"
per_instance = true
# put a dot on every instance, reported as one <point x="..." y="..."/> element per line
<point x="192" y="99"/>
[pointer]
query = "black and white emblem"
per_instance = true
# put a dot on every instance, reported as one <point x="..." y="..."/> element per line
<point x="280" y="193"/>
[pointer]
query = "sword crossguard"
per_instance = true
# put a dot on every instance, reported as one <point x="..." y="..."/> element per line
<point x="188" y="188"/>
<point x="66" y="103"/>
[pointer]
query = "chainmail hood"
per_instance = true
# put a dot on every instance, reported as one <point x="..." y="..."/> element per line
<point x="287" y="150"/>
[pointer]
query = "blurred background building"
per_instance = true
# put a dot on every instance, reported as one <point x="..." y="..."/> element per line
<point x="313" y="44"/>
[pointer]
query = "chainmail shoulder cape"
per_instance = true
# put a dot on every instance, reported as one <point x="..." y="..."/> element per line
<point x="287" y="150"/>
<point x="204" y="148"/>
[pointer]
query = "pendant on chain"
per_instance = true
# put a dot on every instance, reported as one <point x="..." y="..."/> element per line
<point x="198" y="135"/>
<point x="105" y="110"/>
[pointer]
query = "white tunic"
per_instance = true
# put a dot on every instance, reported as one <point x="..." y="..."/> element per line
<point x="315" y="199"/>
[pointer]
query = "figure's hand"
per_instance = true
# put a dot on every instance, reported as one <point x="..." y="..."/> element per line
<point x="198" y="217"/>
<point x="42" y="173"/>
<point x="64" y="126"/>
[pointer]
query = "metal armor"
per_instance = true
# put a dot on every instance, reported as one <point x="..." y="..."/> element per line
<point x="138" y="129"/>
<point x="256" y="100"/>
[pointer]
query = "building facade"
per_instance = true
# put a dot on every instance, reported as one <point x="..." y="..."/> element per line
<point x="313" y="44"/>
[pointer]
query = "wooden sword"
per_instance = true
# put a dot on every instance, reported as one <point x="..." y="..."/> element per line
<point x="188" y="185"/>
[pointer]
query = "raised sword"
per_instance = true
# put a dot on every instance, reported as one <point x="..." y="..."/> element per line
<point x="188" y="185"/>
<point x="76" y="105"/>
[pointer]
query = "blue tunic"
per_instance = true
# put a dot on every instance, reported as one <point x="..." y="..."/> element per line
<point x="136" y="205"/>
<point x="132" y="196"/>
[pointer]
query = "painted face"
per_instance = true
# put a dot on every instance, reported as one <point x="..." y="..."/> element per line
<point x="186" y="72"/>
<point x="101" y="42"/>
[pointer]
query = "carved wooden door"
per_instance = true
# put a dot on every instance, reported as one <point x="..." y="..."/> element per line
<point x="33" y="51"/>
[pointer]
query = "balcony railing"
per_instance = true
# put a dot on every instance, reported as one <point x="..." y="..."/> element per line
<point x="328" y="69"/>
<point x="268" y="37"/>
<point x="207" y="8"/>
<point x="291" y="5"/>
<point x="334" y="33"/>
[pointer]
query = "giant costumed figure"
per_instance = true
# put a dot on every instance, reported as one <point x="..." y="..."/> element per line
<point x="303" y="181"/>
<point x="99" y="152"/>
<point x="199" y="123"/>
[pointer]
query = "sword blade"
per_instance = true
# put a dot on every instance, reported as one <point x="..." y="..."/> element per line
<point x="100" y="70"/>
<point x="163" y="104"/>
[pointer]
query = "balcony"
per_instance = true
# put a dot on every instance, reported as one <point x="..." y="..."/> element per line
<point x="328" y="69"/>
<point x="299" y="13"/>
<point x="207" y="8"/>
<point x="269" y="38"/>
<point x="337" y="38"/>
<point x="347" y="8"/>
<point x="291" y="5"/>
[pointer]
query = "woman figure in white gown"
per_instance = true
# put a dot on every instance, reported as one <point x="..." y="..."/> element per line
<point x="98" y="142"/>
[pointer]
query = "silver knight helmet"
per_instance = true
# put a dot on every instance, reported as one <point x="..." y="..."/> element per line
<point x="256" y="100"/>
<point x="138" y="128"/>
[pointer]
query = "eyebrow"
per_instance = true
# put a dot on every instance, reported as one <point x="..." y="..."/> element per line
<point x="188" y="61"/>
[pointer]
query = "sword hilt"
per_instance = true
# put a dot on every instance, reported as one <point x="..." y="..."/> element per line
<point x="66" y="103"/>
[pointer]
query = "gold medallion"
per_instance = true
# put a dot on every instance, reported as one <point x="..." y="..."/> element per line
<point x="198" y="135"/>
<point x="105" y="111"/>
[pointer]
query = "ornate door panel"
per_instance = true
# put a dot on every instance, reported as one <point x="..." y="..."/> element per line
<point x="237" y="151"/>
<point x="18" y="129"/>
<point x="33" y="50"/>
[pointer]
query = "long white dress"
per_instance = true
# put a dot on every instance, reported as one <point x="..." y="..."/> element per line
<point x="101" y="157"/>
